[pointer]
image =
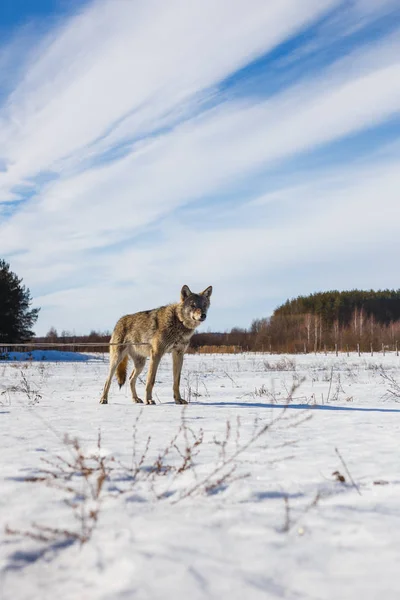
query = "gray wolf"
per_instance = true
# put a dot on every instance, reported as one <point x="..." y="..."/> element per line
<point x="165" y="329"/>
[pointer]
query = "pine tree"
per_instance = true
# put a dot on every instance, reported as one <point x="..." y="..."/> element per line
<point x="16" y="316"/>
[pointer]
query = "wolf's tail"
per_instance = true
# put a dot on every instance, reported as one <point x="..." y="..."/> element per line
<point x="121" y="371"/>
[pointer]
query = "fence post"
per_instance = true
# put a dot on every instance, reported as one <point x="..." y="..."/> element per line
<point x="336" y="350"/>
<point x="358" y="349"/>
<point x="372" y="350"/>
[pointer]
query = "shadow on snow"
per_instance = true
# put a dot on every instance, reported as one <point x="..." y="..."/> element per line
<point x="302" y="406"/>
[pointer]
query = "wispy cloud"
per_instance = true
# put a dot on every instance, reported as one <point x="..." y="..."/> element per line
<point x="121" y="143"/>
<point x="135" y="61"/>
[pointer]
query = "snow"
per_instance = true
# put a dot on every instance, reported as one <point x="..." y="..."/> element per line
<point x="280" y="525"/>
<point x="48" y="355"/>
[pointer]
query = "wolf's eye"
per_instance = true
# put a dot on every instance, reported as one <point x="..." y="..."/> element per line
<point x="193" y="305"/>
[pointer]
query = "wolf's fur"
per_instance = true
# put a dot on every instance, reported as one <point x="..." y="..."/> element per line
<point x="153" y="333"/>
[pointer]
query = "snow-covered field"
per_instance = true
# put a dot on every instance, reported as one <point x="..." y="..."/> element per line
<point x="240" y="495"/>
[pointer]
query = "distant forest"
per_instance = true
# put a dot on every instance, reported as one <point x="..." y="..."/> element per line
<point x="383" y="306"/>
<point x="324" y="320"/>
<point x="321" y="321"/>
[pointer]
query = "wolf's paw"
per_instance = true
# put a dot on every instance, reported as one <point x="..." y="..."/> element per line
<point x="137" y="400"/>
<point x="150" y="401"/>
<point x="180" y="401"/>
<point x="103" y="401"/>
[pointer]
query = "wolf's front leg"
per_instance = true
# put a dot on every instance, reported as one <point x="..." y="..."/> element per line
<point x="155" y="358"/>
<point x="177" y="361"/>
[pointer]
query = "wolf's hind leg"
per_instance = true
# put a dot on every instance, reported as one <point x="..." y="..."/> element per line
<point x="116" y="355"/>
<point x="139" y="362"/>
<point x="155" y="358"/>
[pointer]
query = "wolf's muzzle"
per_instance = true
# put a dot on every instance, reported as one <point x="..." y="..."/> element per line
<point x="203" y="317"/>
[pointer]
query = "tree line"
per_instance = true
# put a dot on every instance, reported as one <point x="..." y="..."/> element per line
<point x="343" y="307"/>
<point x="324" y="320"/>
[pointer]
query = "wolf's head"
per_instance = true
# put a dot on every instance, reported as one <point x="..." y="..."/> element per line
<point x="194" y="307"/>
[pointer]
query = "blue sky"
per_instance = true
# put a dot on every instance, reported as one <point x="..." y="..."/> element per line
<point x="250" y="145"/>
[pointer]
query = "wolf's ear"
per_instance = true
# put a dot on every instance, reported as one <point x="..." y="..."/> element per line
<point x="185" y="292"/>
<point x="207" y="292"/>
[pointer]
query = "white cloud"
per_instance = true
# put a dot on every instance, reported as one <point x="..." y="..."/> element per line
<point x="123" y="58"/>
<point x="113" y="202"/>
